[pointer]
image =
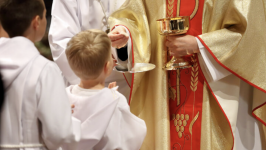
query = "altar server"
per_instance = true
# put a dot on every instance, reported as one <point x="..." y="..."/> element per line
<point x="36" y="113"/>
<point x="72" y="16"/>
<point x="89" y="56"/>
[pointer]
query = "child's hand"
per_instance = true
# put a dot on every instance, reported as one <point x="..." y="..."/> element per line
<point x="72" y="107"/>
<point x="112" y="85"/>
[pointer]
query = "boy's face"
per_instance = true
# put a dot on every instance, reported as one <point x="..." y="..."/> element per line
<point x="42" y="27"/>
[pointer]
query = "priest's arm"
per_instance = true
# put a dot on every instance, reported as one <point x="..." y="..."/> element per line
<point x="65" y="24"/>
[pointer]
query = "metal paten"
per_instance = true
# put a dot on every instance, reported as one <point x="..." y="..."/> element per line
<point x="174" y="26"/>
<point x="135" y="68"/>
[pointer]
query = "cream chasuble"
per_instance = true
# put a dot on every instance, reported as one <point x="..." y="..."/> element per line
<point x="231" y="32"/>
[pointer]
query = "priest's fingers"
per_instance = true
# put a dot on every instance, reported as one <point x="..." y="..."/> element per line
<point x="119" y="30"/>
<point x="168" y="43"/>
<point x="171" y="44"/>
<point x="119" y="43"/>
<point x="177" y="52"/>
<point x="114" y="37"/>
<point x="171" y="53"/>
<point x="118" y="33"/>
<point x="174" y="37"/>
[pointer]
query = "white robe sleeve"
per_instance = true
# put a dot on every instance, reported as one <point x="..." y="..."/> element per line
<point x="54" y="110"/>
<point x="212" y="70"/>
<point x="65" y="24"/>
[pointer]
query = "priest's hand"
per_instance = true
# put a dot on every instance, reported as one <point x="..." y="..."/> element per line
<point x="119" y="37"/>
<point x="182" y="45"/>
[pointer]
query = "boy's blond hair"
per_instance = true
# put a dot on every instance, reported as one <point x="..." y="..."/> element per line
<point x="87" y="52"/>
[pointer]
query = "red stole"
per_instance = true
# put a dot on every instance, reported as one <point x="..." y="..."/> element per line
<point x="186" y="104"/>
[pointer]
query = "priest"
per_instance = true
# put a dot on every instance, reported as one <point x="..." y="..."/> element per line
<point x="199" y="108"/>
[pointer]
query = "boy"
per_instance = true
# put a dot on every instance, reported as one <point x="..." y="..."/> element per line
<point x="89" y="56"/>
<point x="36" y="113"/>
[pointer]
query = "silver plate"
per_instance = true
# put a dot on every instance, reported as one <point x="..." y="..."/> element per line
<point x="136" y="68"/>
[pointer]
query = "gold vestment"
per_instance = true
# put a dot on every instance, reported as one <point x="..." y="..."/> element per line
<point x="233" y="31"/>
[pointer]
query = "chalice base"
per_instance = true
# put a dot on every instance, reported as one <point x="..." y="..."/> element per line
<point x="177" y="63"/>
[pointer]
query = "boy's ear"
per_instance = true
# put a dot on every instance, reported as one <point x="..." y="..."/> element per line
<point x="36" y="22"/>
<point x="106" y="67"/>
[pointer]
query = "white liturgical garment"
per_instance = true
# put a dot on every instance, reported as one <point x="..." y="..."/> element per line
<point x="124" y="131"/>
<point x="36" y="114"/>
<point x="69" y="17"/>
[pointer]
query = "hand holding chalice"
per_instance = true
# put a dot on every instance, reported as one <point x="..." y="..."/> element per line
<point x="175" y="26"/>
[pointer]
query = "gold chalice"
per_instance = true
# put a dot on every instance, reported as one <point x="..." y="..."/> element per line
<point x="174" y="26"/>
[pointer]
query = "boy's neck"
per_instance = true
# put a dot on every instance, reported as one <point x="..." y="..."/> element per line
<point x="30" y="37"/>
<point x="30" y="34"/>
<point x="3" y="32"/>
<point x="92" y="84"/>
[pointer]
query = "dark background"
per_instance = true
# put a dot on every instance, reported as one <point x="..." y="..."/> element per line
<point x="43" y="46"/>
<point x="48" y="5"/>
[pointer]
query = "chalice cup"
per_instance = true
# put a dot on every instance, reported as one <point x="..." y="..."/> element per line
<point x="174" y="26"/>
